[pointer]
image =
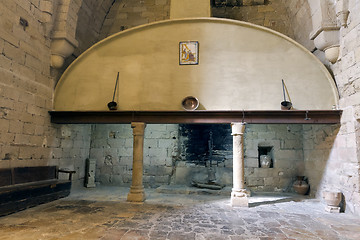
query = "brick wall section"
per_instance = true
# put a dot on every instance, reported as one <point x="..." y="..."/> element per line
<point x="126" y="14"/>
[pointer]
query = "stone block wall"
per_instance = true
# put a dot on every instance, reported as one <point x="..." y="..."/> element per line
<point x="70" y="146"/>
<point x="272" y="14"/>
<point x="27" y="138"/>
<point x="286" y="152"/>
<point x="347" y="76"/>
<point x="322" y="164"/>
<point x="112" y="147"/>
<point x="91" y="18"/>
<point x="165" y="163"/>
<point x="25" y="86"/>
<point x="300" y="19"/>
<point x="126" y="14"/>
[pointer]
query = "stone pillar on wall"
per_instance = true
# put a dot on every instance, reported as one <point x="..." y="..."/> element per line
<point x="63" y="41"/>
<point x="137" y="193"/>
<point x="239" y="195"/>
<point x="326" y="30"/>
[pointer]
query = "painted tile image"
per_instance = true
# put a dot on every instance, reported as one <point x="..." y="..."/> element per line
<point x="189" y="53"/>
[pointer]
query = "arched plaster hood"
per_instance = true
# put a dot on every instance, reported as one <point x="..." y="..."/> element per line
<point x="240" y="68"/>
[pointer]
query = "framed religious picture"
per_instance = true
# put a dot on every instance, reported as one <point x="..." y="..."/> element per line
<point x="189" y="53"/>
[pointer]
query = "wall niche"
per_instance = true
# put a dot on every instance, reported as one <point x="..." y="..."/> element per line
<point x="265" y="156"/>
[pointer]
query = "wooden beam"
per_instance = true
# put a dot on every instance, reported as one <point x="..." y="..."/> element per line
<point x="191" y="117"/>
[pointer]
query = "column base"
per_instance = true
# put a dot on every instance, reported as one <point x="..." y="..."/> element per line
<point x="239" y="198"/>
<point x="136" y="194"/>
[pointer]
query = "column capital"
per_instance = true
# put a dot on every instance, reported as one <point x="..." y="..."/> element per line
<point x="238" y="128"/>
<point x="138" y="128"/>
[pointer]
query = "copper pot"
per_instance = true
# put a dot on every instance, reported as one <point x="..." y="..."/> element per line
<point x="190" y="103"/>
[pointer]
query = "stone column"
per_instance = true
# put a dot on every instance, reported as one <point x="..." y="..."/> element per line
<point x="137" y="193"/>
<point x="239" y="195"/>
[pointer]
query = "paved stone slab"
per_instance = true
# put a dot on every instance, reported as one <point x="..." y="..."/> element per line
<point x="103" y="213"/>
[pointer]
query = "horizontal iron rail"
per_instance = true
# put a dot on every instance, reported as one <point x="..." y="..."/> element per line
<point x="199" y="116"/>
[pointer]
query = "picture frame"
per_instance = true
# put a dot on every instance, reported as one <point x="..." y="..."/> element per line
<point x="189" y="53"/>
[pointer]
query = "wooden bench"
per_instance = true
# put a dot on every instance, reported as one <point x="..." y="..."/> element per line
<point x="25" y="187"/>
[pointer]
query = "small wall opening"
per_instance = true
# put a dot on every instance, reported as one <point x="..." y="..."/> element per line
<point x="265" y="157"/>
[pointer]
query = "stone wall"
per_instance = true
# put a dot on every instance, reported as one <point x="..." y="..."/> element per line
<point x="347" y="75"/>
<point x="25" y="86"/>
<point x="165" y="160"/>
<point x="70" y="146"/>
<point x="323" y="164"/>
<point x="273" y="14"/>
<point x="126" y="14"/>
<point x="300" y="20"/>
<point x="91" y="18"/>
<point x="292" y="18"/>
<point x="285" y="148"/>
<point x="284" y="144"/>
<point x="112" y="147"/>
<point x="27" y="138"/>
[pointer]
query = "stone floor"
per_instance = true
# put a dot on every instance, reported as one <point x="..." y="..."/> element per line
<point x="103" y="213"/>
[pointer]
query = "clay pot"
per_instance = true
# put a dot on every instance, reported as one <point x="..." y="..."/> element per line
<point x="301" y="186"/>
<point x="265" y="161"/>
<point x="332" y="198"/>
<point x="190" y="103"/>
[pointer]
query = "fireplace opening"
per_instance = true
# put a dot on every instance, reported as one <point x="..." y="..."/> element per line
<point x="206" y="144"/>
<point x="205" y="155"/>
